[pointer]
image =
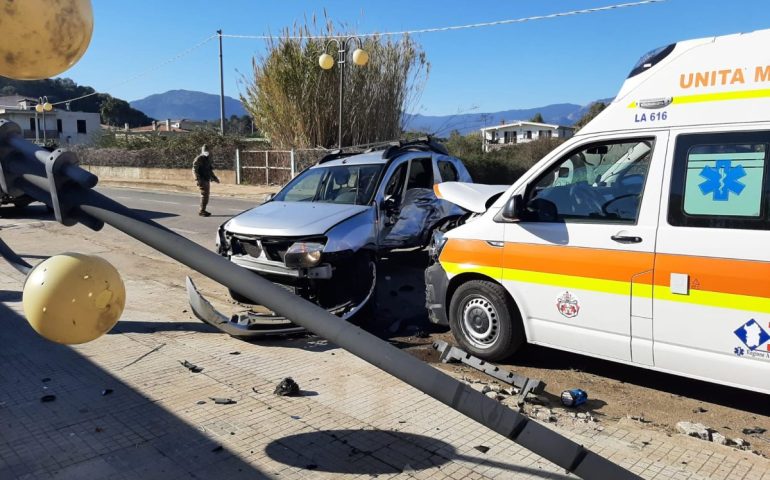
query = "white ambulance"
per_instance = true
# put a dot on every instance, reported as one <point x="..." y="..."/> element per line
<point x="643" y="239"/>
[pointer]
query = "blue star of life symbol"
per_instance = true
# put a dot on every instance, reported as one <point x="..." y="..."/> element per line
<point x="722" y="179"/>
<point x="739" y="351"/>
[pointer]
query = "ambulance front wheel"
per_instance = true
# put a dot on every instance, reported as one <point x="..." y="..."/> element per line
<point x="484" y="320"/>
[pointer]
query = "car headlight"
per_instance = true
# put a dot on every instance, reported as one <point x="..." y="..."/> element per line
<point x="436" y="245"/>
<point x="303" y="255"/>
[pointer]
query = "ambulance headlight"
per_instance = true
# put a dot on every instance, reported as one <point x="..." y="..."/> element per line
<point x="437" y="243"/>
<point x="303" y="255"/>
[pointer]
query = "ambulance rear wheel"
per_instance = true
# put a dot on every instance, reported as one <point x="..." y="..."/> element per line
<point x="484" y="320"/>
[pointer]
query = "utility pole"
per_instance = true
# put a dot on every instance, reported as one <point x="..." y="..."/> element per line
<point x="221" y="88"/>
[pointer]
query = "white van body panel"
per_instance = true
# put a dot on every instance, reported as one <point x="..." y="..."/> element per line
<point x="688" y="299"/>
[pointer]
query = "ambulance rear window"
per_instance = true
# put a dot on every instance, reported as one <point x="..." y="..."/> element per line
<point x="650" y="59"/>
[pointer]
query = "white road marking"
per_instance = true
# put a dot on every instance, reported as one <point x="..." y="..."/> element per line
<point x="182" y="230"/>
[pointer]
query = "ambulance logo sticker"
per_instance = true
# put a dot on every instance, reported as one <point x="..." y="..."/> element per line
<point x="722" y="179"/>
<point x="568" y="305"/>
<point x="752" y="335"/>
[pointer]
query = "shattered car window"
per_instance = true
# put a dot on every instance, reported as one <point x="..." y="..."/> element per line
<point x="345" y="184"/>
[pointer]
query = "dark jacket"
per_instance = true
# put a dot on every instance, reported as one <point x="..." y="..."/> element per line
<point x="203" y="169"/>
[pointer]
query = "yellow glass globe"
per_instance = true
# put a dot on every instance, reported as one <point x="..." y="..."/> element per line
<point x="360" y="57"/>
<point x="43" y="38"/>
<point x="326" y="61"/>
<point x="73" y="298"/>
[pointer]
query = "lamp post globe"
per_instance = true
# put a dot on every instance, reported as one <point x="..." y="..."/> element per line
<point x="326" y="61"/>
<point x="73" y="298"/>
<point x="44" y="37"/>
<point x="360" y="57"/>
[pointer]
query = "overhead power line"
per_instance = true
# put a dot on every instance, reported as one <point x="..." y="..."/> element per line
<point x="173" y="59"/>
<point x="462" y="27"/>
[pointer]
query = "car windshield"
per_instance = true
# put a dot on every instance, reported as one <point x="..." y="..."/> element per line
<point x="347" y="184"/>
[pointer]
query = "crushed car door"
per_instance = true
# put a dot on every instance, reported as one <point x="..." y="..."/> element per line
<point x="410" y="206"/>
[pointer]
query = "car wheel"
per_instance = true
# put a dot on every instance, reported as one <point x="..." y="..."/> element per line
<point x="484" y="320"/>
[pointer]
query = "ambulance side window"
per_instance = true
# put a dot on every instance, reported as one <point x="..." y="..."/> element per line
<point x="720" y="181"/>
<point x="602" y="182"/>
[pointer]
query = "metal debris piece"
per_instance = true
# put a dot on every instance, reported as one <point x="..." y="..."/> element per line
<point x="223" y="400"/>
<point x="287" y="388"/>
<point x="47" y="398"/>
<point x="755" y="430"/>
<point x="218" y="448"/>
<point x="482" y="448"/>
<point x="191" y="367"/>
<point x="140" y="357"/>
<point x="106" y="392"/>
<point x="525" y="385"/>
<point x="200" y="402"/>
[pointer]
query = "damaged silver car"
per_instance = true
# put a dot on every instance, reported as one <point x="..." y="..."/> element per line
<point x="322" y="235"/>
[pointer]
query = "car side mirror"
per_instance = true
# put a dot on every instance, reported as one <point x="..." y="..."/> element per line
<point x="511" y="208"/>
<point x="269" y="197"/>
<point x="390" y="204"/>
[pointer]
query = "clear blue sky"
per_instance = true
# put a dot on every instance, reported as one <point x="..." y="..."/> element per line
<point x="575" y="59"/>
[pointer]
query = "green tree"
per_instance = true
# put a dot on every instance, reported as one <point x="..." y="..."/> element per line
<point x="595" y="109"/>
<point x="538" y="118"/>
<point x="295" y="103"/>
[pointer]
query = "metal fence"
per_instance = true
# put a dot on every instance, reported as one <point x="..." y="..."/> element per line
<point x="273" y="167"/>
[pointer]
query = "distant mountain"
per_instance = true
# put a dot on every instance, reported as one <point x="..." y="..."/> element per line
<point x="560" y="114"/>
<point x="186" y="104"/>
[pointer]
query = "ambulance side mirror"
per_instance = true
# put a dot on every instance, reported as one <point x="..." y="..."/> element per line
<point x="510" y="211"/>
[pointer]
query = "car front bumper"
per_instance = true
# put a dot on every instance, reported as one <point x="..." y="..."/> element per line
<point x="436" y="284"/>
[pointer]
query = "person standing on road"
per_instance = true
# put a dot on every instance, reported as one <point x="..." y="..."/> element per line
<point x="203" y="170"/>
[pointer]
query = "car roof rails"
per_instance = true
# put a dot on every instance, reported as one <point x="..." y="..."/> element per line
<point x="422" y="144"/>
<point x="336" y="154"/>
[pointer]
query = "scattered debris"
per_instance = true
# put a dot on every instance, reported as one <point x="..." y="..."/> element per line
<point x="311" y="466"/>
<point x="752" y="431"/>
<point x="295" y="417"/>
<point x="741" y="443"/>
<point x="218" y="448"/>
<point x="144" y="355"/>
<point x="106" y="392"/>
<point x="191" y="367"/>
<point x="254" y="389"/>
<point x="641" y="419"/>
<point x="545" y="415"/>
<point x="235" y="353"/>
<point x="697" y="430"/>
<point x="482" y="448"/>
<point x="574" y="397"/>
<point x="200" y="402"/>
<point x="47" y="398"/>
<point x="45" y="380"/>
<point x="699" y="410"/>
<point x="287" y="388"/>
<point x="720" y="439"/>
<point x="420" y="333"/>
<point x="98" y="430"/>
<point x="223" y="400"/>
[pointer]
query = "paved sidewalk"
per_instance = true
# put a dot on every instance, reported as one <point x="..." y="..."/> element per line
<point x="126" y="408"/>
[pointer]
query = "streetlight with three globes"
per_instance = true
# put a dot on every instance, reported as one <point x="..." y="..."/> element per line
<point x="326" y="61"/>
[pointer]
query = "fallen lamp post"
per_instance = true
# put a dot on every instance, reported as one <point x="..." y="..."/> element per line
<point x="55" y="179"/>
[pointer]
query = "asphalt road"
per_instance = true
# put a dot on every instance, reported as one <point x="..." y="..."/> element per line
<point x="179" y="211"/>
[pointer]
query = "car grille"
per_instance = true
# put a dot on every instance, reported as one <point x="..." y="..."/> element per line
<point x="275" y="248"/>
<point x="251" y="248"/>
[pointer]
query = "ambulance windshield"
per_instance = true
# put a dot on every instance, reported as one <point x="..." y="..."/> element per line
<point x="650" y="59"/>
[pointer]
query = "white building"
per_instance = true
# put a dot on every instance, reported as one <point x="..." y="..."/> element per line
<point x="521" y="132"/>
<point x="61" y="126"/>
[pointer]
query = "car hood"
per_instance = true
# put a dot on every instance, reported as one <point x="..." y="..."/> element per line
<point x="473" y="197"/>
<point x="292" y="219"/>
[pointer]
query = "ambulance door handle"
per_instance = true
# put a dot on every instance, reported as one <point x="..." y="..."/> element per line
<point x="620" y="238"/>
